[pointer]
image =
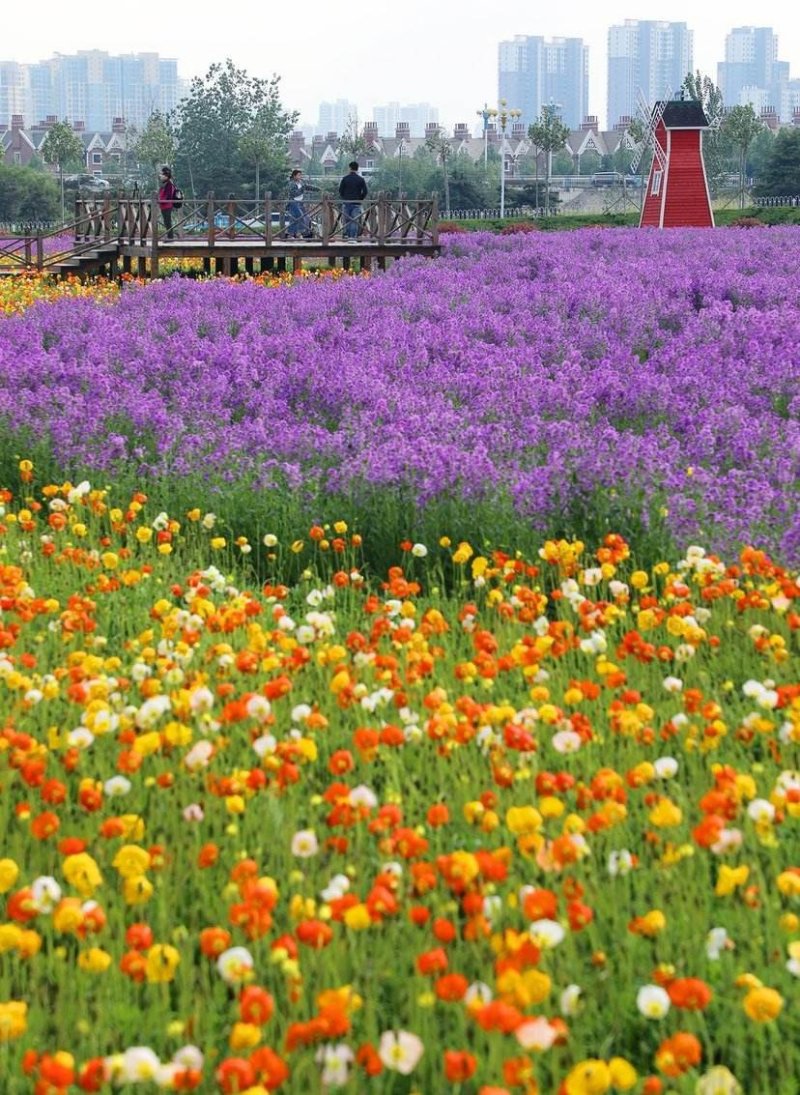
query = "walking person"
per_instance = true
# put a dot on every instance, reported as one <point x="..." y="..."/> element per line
<point x="352" y="191"/>
<point x="166" y="199"/>
<point x="298" y="218"/>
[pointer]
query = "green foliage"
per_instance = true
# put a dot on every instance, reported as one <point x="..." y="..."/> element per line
<point x="62" y="146"/>
<point x="156" y="144"/>
<point x="741" y="127"/>
<point x="549" y="135"/>
<point x="229" y="123"/>
<point x="782" y="169"/>
<point x="27" y="195"/>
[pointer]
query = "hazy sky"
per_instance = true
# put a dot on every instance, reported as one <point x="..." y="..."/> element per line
<point x="444" y="53"/>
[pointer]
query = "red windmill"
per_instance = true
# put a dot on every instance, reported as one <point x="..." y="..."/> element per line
<point x="677" y="188"/>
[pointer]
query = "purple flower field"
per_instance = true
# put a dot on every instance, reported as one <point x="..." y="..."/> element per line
<point x="555" y="371"/>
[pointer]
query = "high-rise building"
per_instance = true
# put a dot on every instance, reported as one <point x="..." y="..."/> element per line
<point x="336" y="117"/>
<point x="417" y="115"/>
<point x="14" y="90"/>
<point x="648" y="59"/>
<point x="94" y="87"/>
<point x="533" y="73"/>
<point x="752" y="73"/>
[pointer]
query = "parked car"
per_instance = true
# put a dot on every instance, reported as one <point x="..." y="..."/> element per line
<point x="606" y="178"/>
<point x="86" y="184"/>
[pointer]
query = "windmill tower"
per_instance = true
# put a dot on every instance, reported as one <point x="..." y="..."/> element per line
<point x="677" y="188"/>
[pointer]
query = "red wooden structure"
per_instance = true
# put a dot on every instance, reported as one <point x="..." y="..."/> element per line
<point x="677" y="190"/>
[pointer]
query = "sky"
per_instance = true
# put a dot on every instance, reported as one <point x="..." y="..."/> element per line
<point x="403" y="51"/>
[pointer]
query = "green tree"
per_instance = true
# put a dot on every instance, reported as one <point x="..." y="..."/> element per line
<point x="212" y="127"/>
<point x="62" y="146"/>
<point x="741" y="127"/>
<point x="351" y="144"/>
<point x="155" y="145"/>
<point x="438" y="144"/>
<point x="27" y="195"/>
<point x="716" y="147"/>
<point x="781" y="175"/>
<point x="548" y="135"/>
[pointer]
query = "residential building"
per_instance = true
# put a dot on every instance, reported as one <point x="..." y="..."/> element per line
<point x="336" y="116"/>
<point x="752" y="73"/>
<point x="534" y="72"/>
<point x="94" y="87"/>
<point x="646" y="59"/>
<point x="416" y="115"/>
<point x="14" y="90"/>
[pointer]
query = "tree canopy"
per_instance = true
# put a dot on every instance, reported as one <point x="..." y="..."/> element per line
<point x="781" y="176"/>
<point x="229" y="125"/>
<point x="155" y="145"/>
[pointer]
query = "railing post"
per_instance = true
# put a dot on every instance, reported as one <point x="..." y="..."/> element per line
<point x="268" y="218"/>
<point x="28" y="251"/>
<point x="39" y="251"/>
<point x="383" y="215"/>
<point x="106" y="218"/>
<point x="210" y="226"/>
<point x="154" y="207"/>
<point x="231" y="220"/>
<point x="435" y="221"/>
<point x="77" y="219"/>
<point x="327" y="219"/>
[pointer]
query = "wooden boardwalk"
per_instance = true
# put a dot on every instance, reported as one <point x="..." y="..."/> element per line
<point x="127" y="236"/>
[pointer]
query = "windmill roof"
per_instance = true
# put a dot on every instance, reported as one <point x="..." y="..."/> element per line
<point x="684" y="114"/>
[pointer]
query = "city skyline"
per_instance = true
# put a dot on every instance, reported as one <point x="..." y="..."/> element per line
<point x="446" y="56"/>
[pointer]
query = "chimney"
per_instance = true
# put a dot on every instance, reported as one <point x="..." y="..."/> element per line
<point x="79" y="127"/>
<point x="3" y="127"/>
<point x="17" y="122"/>
<point x="491" y="132"/>
<point x="589" y="123"/>
<point x="297" y="142"/>
<point x="622" y="123"/>
<point x="796" y="117"/>
<point x="518" y="130"/>
<point x="370" y="134"/>
<point x="332" y="136"/>
<point x="318" y="140"/>
<point x="402" y="131"/>
<point x="461" y="131"/>
<point x="769" y="117"/>
<point x="431" y="129"/>
<point x="118" y="125"/>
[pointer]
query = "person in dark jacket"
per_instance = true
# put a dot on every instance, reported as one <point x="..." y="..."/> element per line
<point x="352" y="191"/>
<point x="298" y="218"/>
<point x="166" y="197"/>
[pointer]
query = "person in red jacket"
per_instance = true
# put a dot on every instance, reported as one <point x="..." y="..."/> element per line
<point x="166" y="197"/>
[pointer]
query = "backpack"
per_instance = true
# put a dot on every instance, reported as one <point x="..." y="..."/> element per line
<point x="177" y="198"/>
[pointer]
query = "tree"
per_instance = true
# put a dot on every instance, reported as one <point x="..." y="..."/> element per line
<point x="61" y="147"/>
<point x="549" y="135"/>
<point x="27" y="195"/>
<point x="782" y="170"/>
<point x="215" y="123"/>
<point x="439" y="145"/>
<point x="351" y="144"/>
<point x="715" y="145"/>
<point x="741" y="126"/>
<point x="156" y="144"/>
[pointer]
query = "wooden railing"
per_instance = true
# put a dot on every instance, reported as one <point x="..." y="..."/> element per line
<point x="138" y="222"/>
<point x="383" y="220"/>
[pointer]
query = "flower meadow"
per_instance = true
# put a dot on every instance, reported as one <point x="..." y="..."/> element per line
<point x="398" y="675"/>
<point x="573" y="382"/>
<point x="535" y="834"/>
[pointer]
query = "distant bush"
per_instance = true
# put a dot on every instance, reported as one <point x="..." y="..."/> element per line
<point x="452" y="227"/>
<point x="519" y="228"/>
<point x="747" y="222"/>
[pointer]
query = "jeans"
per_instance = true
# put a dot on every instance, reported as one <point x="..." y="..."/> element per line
<point x="351" y="219"/>
<point x="298" y="220"/>
<point x="167" y="215"/>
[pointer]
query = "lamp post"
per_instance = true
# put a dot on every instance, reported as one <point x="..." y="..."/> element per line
<point x="504" y="115"/>
<point x="487" y="113"/>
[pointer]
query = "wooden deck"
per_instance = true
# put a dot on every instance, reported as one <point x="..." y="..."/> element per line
<point x="128" y="236"/>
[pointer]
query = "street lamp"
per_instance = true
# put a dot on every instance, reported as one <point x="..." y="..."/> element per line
<point x="487" y="113"/>
<point x="504" y="115"/>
